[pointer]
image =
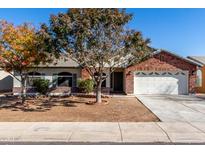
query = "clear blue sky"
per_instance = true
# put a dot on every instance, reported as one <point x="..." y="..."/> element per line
<point x="179" y="30"/>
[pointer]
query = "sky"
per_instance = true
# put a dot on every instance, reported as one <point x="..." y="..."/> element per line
<point x="181" y="31"/>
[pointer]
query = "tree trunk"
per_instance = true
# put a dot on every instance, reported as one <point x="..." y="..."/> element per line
<point x="23" y="90"/>
<point x="98" y="93"/>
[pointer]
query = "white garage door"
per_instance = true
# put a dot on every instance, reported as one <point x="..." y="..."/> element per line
<point x="161" y="82"/>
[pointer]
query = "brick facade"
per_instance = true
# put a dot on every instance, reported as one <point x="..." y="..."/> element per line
<point x="162" y="61"/>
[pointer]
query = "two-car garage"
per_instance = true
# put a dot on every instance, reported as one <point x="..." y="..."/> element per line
<point x="161" y="82"/>
<point x="162" y="73"/>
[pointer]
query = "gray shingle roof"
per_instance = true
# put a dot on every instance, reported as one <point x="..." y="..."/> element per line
<point x="61" y="62"/>
<point x="199" y="59"/>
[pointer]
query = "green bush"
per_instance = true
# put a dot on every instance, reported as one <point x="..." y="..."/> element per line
<point x="41" y="85"/>
<point x="86" y="86"/>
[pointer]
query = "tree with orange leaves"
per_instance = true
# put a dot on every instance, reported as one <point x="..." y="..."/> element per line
<point x="20" y="51"/>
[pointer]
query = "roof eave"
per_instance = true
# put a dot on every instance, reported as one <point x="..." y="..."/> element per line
<point x="174" y="54"/>
<point x="197" y="61"/>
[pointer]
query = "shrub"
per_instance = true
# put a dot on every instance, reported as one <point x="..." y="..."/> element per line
<point x="41" y="85"/>
<point x="86" y="86"/>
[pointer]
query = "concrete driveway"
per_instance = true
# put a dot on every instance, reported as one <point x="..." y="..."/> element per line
<point x="175" y="108"/>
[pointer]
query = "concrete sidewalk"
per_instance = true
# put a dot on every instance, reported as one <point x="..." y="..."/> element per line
<point x="101" y="133"/>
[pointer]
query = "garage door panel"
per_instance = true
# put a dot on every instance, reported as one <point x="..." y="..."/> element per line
<point x="160" y="83"/>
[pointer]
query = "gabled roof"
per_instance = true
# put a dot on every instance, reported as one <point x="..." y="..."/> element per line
<point x="176" y="55"/>
<point x="68" y="62"/>
<point x="61" y="62"/>
<point x="198" y="59"/>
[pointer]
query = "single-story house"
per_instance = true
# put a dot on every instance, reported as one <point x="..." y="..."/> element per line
<point x="200" y="82"/>
<point x="163" y="73"/>
<point x="6" y="81"/>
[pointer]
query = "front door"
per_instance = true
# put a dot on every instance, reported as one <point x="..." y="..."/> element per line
<point x="118" y="81"/>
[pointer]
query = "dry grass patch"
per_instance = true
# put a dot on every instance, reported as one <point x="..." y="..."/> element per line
<point x="75" y="109"/>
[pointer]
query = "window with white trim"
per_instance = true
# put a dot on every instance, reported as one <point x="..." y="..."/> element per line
<point x="33" y="76"/>
<point x="65" y="79"/>
<point x="199" y="78"/>
<point x="104" y="81"/>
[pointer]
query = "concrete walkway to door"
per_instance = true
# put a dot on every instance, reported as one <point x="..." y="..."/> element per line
<point x="175" y="108"/>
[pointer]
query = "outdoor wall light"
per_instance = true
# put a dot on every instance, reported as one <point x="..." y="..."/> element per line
<point x="129" y="73"/>
<point x="193" y="72"/>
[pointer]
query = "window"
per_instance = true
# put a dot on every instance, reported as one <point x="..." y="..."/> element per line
<point x="64" y="79"/>
<point x="199" y="78"/>
<point x="104" y="81"/>
<point x="33" y="76"/>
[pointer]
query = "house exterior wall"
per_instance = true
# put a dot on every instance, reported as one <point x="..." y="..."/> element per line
<point x="202" y="89"/>
<point x="85" y="75"/>
<point x="160" y="62"/>
<point x="6" y="81"/>
<point x="48" y="74"/>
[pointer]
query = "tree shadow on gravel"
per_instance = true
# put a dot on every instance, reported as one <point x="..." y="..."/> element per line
<point x="38" y="104"/>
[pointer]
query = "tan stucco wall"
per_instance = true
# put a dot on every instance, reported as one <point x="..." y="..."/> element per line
<point x="49" y="73"/>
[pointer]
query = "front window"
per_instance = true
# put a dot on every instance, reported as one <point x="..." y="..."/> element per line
<point x="65" y="79"/>
<point x="199" y="78"/>
<point x="33" y="76"/>
<point x="104" y="81"/>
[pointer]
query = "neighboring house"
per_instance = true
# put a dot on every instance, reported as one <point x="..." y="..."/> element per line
<point x="6" y="81"/>
<point x="200" y="82"/>
<point x="163" y="73"/>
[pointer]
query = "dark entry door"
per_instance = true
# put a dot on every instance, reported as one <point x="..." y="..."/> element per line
<point x="118" y="81"/>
